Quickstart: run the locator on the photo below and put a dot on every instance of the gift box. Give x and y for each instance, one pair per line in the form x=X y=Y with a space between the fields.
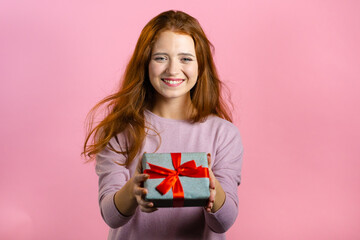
x=176 y=179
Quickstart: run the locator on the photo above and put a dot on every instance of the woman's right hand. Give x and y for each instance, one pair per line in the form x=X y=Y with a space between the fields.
x=132 y=194
x=139 y=191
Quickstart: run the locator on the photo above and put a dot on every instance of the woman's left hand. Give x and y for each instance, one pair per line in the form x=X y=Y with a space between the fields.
x=212 y=186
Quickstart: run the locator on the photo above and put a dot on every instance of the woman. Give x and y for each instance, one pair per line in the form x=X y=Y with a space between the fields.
x=169 y=101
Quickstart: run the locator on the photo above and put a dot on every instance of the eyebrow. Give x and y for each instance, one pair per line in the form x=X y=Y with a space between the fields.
x=162 y=53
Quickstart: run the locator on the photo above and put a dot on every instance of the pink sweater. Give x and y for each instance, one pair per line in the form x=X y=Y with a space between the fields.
x=216 y=136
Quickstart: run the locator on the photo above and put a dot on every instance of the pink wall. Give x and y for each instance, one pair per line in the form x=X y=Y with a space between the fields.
x=293 y=70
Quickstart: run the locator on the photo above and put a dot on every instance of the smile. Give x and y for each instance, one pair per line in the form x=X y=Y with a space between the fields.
x=172 y=82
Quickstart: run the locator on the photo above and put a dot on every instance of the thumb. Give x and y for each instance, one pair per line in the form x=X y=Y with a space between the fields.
x=139 y=166
x=209 y=159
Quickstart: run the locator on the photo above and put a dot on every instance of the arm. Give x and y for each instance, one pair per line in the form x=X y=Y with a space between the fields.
x=119 y=190
x=226 y=169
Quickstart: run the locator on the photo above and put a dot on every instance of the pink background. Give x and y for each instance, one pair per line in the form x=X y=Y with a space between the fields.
x=293 y=71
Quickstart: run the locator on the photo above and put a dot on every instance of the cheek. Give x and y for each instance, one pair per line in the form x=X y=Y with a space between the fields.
x=155 y=69
x=151 y=70
x=192 y=71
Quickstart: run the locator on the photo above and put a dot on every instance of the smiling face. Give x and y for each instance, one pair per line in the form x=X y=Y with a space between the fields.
x=173 y=68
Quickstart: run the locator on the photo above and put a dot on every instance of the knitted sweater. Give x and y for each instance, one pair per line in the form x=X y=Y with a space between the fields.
x=216 y=136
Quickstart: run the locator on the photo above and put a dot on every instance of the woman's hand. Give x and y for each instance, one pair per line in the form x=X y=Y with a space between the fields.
x=212 y=186
x=140 y=192
x=217 y=194
x=132 y=194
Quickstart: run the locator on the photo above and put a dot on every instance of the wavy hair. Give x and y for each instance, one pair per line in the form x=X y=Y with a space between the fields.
x=125 y=108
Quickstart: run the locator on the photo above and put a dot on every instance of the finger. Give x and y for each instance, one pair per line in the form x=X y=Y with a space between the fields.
x=212 y=180
x=212 y=196
x=143 y=203
x=209 y=207
x=138 y=191
x=211 y=200
x=148 y=210
x=209 y=159
x=212 y=177
x=139 y=165
x=138 y=179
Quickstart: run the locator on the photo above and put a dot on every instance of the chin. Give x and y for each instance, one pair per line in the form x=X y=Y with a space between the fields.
x=172 y=95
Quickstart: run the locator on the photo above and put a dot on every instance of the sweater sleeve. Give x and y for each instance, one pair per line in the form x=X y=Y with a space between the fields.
x=112 y=177
x=226 y=167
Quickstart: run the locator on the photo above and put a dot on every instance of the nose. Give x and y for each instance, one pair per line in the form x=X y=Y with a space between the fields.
x=173 y=68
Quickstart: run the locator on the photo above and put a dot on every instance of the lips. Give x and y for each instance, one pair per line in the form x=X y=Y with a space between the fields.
x=172 y=82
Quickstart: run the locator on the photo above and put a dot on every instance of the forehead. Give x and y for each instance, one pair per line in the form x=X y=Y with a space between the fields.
x=171 y=41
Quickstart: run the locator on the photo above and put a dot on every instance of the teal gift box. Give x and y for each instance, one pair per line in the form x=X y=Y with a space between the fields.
x=176 y=179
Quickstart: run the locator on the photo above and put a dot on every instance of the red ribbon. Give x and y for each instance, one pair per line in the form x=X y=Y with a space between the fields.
x=172 y=180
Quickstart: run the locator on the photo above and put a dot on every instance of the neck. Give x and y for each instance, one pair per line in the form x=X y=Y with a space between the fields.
x=177 y=108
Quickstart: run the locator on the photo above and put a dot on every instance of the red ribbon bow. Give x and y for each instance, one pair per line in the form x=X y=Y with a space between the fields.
x=172 y=180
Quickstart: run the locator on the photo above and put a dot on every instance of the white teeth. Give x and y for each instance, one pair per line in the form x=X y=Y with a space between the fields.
x=171 y=81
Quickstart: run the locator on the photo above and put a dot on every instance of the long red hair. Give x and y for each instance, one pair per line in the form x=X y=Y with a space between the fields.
x=125 y=109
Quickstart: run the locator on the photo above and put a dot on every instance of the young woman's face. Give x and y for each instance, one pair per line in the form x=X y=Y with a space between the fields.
x=173 y=68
